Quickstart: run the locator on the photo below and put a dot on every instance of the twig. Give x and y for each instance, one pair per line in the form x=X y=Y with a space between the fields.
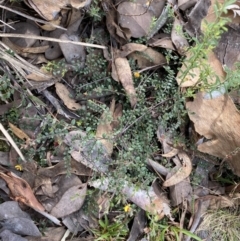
x=32 y=18
x=12 y=35
x=50 y=217
x=9 y=138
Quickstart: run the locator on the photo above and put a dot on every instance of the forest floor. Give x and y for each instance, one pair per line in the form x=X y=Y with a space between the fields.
x=119 y=120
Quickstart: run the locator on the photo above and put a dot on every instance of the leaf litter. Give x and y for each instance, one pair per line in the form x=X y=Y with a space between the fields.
x=72 y=185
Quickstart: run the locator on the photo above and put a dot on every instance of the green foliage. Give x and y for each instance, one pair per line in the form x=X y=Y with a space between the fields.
x=6 y=89
x=161 y=231
x=95 y=11
x=56 y=68
x=199 y=51
x=110 y=231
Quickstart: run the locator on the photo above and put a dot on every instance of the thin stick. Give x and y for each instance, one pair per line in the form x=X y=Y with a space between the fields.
x=12 y=35
x=32 y=18
x=9 y=138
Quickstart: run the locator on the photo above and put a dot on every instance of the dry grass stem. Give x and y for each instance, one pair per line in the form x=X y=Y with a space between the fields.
x=12 y=35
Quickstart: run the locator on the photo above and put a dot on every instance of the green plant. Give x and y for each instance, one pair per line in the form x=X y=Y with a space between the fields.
x=95 y=11
x=161 y=231
x=197 y=54
x=6 y=89
x=56 y=68
x=110 y=231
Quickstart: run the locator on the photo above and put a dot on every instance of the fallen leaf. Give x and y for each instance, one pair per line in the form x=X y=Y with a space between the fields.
x=41 y=75
x=172 y=153
x=148 y=57
x=195 y=17
x=80 y=4
x=19 y=133
x=181 y=173
x=120 y=34
x=125 y=77
x=185 y=4
x=178 y=38
x=71 y=201
x=64 y=94
x=135 y=17
x=91 y=153
x=20 y=190
x=163 y=43
x=211 y=16
x=48 y=9
x=49 y=27
x=180 y=192
x=27 y=28
x=218 y=121
x=132 y=47
x=227 y=50
x=53 y=234
x=60 y=168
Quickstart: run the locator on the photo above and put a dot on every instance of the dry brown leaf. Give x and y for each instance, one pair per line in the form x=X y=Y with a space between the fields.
x=181 y=191
x=132 y=47
x=71 y=201
x=64 y=94
x=121 y=35
x=114 y=72
x=42 y=75
x=24 y=50
x=172 y=153
x=20 y=190
x=185 y=4
x=140 y=21
x=178 y=37
x=163 y=43
x=80 y=3
x=19 y=133
x=59 y=169
x=218 y=120
x=148 y=58
x=125 y=76
x=182 y=173
x=48 y=9
x=49 y=27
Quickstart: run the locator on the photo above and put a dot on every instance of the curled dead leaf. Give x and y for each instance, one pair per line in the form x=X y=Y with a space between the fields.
x=125 y=76
x=172 y=153
x=20 y=190
x=132 y=47
x=64 y=94
x=19 y=133
x=148 y=57
x=182 y=173
x=218 y=120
